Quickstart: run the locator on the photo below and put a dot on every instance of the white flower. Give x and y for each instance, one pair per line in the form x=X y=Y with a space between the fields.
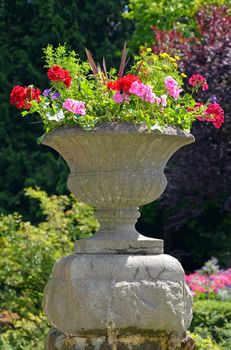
x=58 y=117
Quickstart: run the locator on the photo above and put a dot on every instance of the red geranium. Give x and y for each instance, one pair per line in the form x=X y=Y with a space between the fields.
x=113 y=85
x=21 y=96
x=123 y=84
x=198 y=81
x=215 y=115
x=56 y=73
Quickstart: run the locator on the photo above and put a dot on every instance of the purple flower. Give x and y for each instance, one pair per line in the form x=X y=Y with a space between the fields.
x=213 y=99
x=47 y=92
x=55 y=95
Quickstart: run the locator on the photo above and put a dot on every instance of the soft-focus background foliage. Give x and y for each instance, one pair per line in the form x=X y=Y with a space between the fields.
x=29 y=251
x=193 y=215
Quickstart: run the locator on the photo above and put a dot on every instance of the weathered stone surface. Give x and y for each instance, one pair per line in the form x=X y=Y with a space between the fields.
x=117 y=167
x=152 y=341
x=143 y=247
x=91 y=292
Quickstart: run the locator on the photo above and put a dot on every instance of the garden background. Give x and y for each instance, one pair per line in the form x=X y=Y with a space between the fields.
x=39 y=219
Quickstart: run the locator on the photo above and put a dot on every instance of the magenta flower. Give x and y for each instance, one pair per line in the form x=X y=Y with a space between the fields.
x=77 y=107
x=197 y=80
x=213 y=283
x=172 y=87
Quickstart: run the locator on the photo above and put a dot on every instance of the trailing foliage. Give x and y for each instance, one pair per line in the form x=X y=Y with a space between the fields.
x=28 y=254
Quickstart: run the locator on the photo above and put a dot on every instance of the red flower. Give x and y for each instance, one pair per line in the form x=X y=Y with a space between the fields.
x=126 y=81
x=113 y=85
x=17 y=96
x=56 y=73
x=123 y=84
x=198 y=81
x=216 y=115
x=21 y=96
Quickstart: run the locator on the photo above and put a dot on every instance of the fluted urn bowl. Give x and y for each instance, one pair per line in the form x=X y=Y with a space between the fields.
x=116 y=168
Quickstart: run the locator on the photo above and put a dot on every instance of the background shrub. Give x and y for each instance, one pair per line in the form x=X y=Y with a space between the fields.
x=212 y=319
x=28 y=254
x=165 y=14
x=195 y=208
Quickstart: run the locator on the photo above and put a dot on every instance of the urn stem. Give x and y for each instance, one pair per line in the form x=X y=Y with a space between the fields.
x=117 y=224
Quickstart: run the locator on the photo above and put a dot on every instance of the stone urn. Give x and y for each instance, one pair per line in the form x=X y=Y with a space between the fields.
x=118 y=291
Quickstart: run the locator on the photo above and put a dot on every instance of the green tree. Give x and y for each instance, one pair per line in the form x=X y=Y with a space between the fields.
x=165 y=14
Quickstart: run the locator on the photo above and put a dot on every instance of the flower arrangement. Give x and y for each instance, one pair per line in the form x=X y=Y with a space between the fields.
x=150 y=92
x=210 y=281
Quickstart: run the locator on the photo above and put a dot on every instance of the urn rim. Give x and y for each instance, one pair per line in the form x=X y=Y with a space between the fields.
x=118 y=128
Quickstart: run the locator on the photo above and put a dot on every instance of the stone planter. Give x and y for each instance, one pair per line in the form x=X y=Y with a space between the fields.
x=119 y=290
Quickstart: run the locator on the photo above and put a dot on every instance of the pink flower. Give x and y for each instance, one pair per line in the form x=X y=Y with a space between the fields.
x=209 y=283
x=118 y=97
x=138 y=89
x=144 y=92
x=77 y=107
x=197 y=80
x=172 y=87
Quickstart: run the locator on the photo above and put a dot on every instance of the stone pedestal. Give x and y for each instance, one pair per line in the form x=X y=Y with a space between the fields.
x=118 y=291
x=118 y=299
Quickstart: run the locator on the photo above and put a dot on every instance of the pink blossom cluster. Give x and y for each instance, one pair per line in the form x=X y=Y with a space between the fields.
x=197 y=80
x=144 y=91
x=77 y=107
x=207 y=284
x=118 y=97
x=172 y=87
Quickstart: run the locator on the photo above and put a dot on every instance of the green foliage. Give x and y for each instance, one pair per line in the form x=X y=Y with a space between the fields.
x=25 y=333
x=212 y=319
x=28 y=254
x=204 y=343
x=165 y=14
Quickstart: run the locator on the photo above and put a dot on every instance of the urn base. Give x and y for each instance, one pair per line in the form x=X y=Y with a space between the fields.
x=95 y=293
x=140 y=341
